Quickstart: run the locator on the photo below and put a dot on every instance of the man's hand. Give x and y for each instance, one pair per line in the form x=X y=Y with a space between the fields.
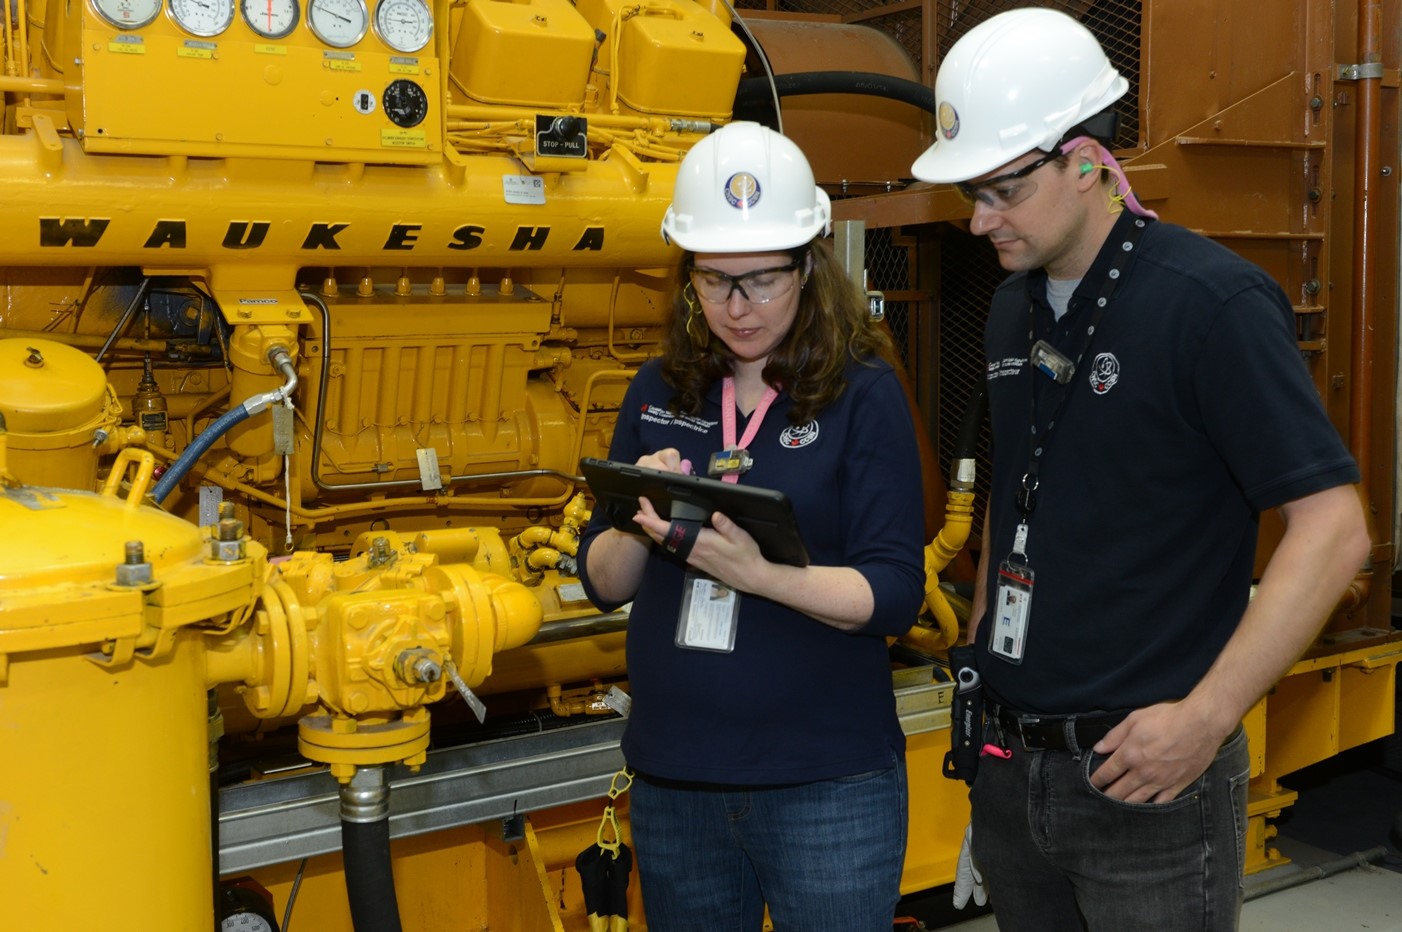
x=1156 y=752
x=967 y=879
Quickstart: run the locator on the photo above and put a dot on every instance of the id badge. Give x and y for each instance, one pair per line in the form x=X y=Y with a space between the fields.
x=709 y=616
x=1012 y=608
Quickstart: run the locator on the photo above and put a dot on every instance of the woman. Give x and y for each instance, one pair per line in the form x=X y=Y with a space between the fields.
x=769 y=759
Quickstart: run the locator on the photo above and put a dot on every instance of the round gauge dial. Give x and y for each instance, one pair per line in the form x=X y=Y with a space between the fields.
x=404 y=25
x=127 y=14
x=338 y=23
x=271 y=19
x=202 y=17
x=405 y=103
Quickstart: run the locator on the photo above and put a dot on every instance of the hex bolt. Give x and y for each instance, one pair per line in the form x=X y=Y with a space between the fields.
x=418 y=666
x=134 y=570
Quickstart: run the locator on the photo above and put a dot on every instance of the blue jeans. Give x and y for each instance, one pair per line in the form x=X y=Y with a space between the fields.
x=826 y=856
x=1057 y=854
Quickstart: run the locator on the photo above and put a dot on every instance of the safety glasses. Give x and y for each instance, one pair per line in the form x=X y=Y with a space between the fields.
x=1005 y=191
x=758 y=287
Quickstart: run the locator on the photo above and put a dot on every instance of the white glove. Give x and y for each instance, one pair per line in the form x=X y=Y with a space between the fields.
x=967 y=879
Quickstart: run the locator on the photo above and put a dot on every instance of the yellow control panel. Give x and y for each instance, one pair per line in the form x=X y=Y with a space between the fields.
x=329 y=80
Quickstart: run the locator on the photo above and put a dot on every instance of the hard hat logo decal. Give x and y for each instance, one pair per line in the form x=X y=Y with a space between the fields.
x=742 y=190
x=949 y=120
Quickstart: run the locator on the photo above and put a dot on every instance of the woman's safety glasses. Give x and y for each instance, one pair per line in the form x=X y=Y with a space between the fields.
x=1005 y=191
x=758 y=287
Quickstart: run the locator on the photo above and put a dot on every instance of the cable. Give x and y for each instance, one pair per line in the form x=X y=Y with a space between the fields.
x=763 y=60
x=292 y=896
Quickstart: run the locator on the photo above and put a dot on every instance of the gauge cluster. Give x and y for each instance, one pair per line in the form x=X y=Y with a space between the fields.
x=327 y=80
x=404 y=26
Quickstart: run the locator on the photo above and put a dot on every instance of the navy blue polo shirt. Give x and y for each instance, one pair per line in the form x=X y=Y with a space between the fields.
x=797 y=700
x=1190 y=413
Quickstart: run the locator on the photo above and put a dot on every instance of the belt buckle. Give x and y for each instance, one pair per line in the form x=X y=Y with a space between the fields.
x=1022 y=735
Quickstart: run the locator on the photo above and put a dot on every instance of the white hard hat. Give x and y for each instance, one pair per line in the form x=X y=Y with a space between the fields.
x=1015 y=82
x=745 y=188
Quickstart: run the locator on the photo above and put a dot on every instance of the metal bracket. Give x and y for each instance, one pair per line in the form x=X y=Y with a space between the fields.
x=1360 y=72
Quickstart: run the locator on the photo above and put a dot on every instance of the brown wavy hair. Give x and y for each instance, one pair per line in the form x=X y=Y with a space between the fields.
x=832 y=325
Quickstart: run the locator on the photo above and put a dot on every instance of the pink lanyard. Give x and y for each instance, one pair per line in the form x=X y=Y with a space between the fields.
x=727 y=405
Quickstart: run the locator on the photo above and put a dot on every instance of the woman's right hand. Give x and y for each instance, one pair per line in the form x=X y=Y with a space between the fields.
x=666 y=460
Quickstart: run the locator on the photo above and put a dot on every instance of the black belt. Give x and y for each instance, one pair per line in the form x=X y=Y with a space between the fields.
x=1055 y=732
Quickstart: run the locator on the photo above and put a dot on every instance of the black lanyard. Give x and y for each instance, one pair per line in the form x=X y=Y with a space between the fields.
x=1027 y=495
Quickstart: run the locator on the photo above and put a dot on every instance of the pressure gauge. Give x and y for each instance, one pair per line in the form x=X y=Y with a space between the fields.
x=271 y=19
x=404 y=25
x=202 y=17
x=241 y=909
x=338 y=23
x=127 y=14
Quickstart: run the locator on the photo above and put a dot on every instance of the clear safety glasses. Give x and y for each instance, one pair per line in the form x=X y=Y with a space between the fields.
x=1005 y=191
x=758 y=287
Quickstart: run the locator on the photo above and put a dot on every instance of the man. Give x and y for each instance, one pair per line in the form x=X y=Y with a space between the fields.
x=1148 y=401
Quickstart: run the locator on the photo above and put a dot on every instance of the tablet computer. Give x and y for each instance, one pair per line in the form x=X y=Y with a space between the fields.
x=765 y=513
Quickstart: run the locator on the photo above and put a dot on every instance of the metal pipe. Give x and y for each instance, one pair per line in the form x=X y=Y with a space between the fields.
x=1317 y=872
x=1367 y=133
x=126 y=317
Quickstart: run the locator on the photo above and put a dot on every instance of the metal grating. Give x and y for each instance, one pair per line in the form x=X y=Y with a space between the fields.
x=888 y=269
x=968 y=268
x=969 y=273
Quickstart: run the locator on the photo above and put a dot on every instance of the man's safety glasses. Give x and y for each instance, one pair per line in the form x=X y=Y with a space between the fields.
x=758 y=287
x=1005 y=191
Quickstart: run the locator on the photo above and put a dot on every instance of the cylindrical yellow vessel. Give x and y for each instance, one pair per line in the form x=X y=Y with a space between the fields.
x=98 y=762
x=54 y=399
x=104 y=757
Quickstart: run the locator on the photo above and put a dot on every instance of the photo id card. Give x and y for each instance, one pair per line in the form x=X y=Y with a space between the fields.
x=709 y=615
x=1011 y=610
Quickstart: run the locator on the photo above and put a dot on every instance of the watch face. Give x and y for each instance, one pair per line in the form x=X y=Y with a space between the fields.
x=271 y=19
x=202 y=17
x=338 y=23
x=404 y=25
x=127 y=14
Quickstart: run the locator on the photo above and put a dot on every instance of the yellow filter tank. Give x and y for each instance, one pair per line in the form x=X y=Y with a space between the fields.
x=104 y=729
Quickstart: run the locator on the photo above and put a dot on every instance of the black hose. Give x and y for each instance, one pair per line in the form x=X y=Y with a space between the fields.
x=374 y=907
x=755 y=92
x=972 y=424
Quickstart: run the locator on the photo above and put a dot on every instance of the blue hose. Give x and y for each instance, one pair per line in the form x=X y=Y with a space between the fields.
x=194 y=451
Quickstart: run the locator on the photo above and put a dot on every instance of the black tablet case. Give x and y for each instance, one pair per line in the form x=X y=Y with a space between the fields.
x=765 y=514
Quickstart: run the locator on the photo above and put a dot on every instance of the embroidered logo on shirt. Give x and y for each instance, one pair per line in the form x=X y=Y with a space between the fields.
x=1104 y=373
x=655 y=415
x=802 y=436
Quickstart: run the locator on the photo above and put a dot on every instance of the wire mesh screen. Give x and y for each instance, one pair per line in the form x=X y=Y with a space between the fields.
x=967 y=267
x=888 y=270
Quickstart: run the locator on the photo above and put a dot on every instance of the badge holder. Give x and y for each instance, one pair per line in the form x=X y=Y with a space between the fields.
x=710 y=609
x=709 y=615
x=1013 y=602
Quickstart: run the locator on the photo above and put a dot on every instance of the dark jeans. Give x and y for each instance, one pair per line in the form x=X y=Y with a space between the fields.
x=1058 y=854
x=825 y=856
